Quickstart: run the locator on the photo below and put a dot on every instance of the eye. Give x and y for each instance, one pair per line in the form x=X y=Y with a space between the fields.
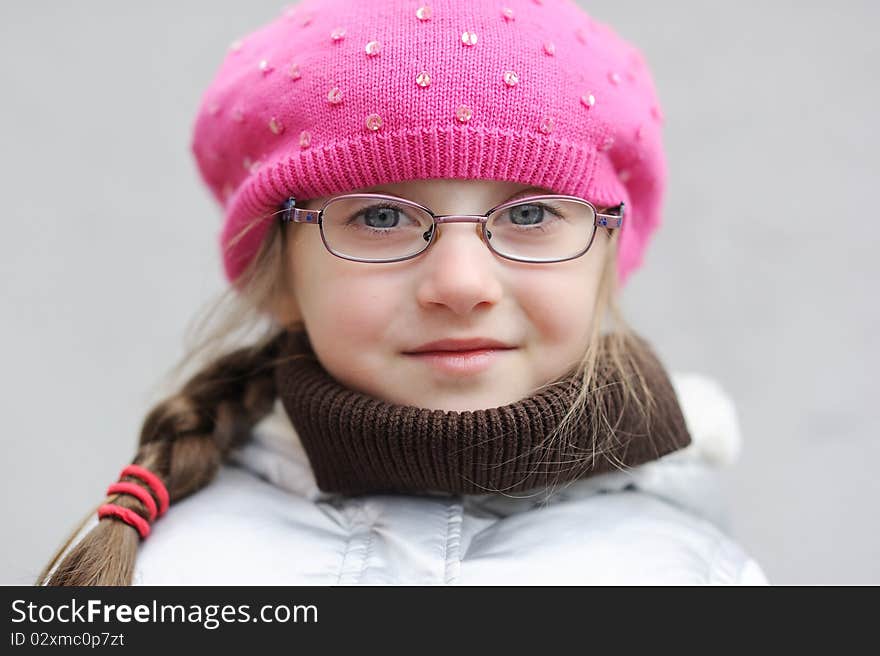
x=377 y=218
x=381 y=217
x=526 y=214
x=531 y=215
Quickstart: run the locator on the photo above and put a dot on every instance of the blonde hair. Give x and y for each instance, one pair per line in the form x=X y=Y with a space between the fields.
x=186 y=436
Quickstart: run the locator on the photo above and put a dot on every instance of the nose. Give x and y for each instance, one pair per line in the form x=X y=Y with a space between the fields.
x=459 y=270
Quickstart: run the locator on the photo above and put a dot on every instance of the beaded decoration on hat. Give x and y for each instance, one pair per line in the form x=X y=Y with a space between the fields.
x=334 y=96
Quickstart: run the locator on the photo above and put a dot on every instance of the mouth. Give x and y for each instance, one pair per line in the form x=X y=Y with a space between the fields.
x=462 y=362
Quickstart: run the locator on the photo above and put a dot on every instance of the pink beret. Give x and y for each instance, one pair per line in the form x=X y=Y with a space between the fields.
x=335 y=95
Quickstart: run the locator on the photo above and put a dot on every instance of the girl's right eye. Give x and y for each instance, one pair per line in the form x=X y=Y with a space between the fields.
x=383 y=217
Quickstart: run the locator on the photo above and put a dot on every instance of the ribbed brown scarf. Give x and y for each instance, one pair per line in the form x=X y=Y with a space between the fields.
x=359 y=444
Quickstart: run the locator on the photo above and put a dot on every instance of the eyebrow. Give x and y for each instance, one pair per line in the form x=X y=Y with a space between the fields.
x=530 y=191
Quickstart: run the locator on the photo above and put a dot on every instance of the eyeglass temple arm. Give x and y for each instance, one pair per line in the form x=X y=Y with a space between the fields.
x=614 y=220
x=291 y=213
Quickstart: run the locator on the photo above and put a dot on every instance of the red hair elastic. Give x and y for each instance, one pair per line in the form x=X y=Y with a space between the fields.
x=126 y=515
x=135 y=490
x=148 y=477
x=129 y=516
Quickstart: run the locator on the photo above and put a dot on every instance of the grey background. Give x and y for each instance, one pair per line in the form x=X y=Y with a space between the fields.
x=762 y=275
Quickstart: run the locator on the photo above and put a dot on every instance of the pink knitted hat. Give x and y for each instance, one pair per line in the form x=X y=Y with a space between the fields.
x=336 y=95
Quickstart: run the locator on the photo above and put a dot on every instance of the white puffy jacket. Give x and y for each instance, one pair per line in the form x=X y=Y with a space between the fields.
x=263 y=521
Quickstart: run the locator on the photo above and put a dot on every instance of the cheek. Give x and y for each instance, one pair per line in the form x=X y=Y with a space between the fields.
x=559 y=301
x=343 y=306
x=355 y=310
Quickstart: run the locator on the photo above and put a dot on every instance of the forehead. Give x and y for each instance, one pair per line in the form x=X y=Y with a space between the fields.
x=449 y=194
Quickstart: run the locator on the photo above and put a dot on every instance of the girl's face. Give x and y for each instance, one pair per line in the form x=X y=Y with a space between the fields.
x=364 y=319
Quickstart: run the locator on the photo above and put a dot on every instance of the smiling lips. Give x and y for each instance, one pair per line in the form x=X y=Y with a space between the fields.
x=461 y=356
x=469 y=344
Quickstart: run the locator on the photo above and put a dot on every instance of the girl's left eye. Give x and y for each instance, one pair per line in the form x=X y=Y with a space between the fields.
x=532 y=214
x=529 y=214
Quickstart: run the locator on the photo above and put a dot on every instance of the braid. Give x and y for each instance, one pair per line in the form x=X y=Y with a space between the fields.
x=184 y=440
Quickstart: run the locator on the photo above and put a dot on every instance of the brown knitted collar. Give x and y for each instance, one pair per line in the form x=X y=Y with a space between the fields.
x=359 y=444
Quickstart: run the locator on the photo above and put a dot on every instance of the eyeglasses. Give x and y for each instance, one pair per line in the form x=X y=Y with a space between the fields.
x=384 y=228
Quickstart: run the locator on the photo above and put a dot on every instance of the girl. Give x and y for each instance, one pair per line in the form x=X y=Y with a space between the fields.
x=429 y=213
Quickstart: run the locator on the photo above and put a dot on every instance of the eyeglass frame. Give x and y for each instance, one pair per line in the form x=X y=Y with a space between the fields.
x=292 y=214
